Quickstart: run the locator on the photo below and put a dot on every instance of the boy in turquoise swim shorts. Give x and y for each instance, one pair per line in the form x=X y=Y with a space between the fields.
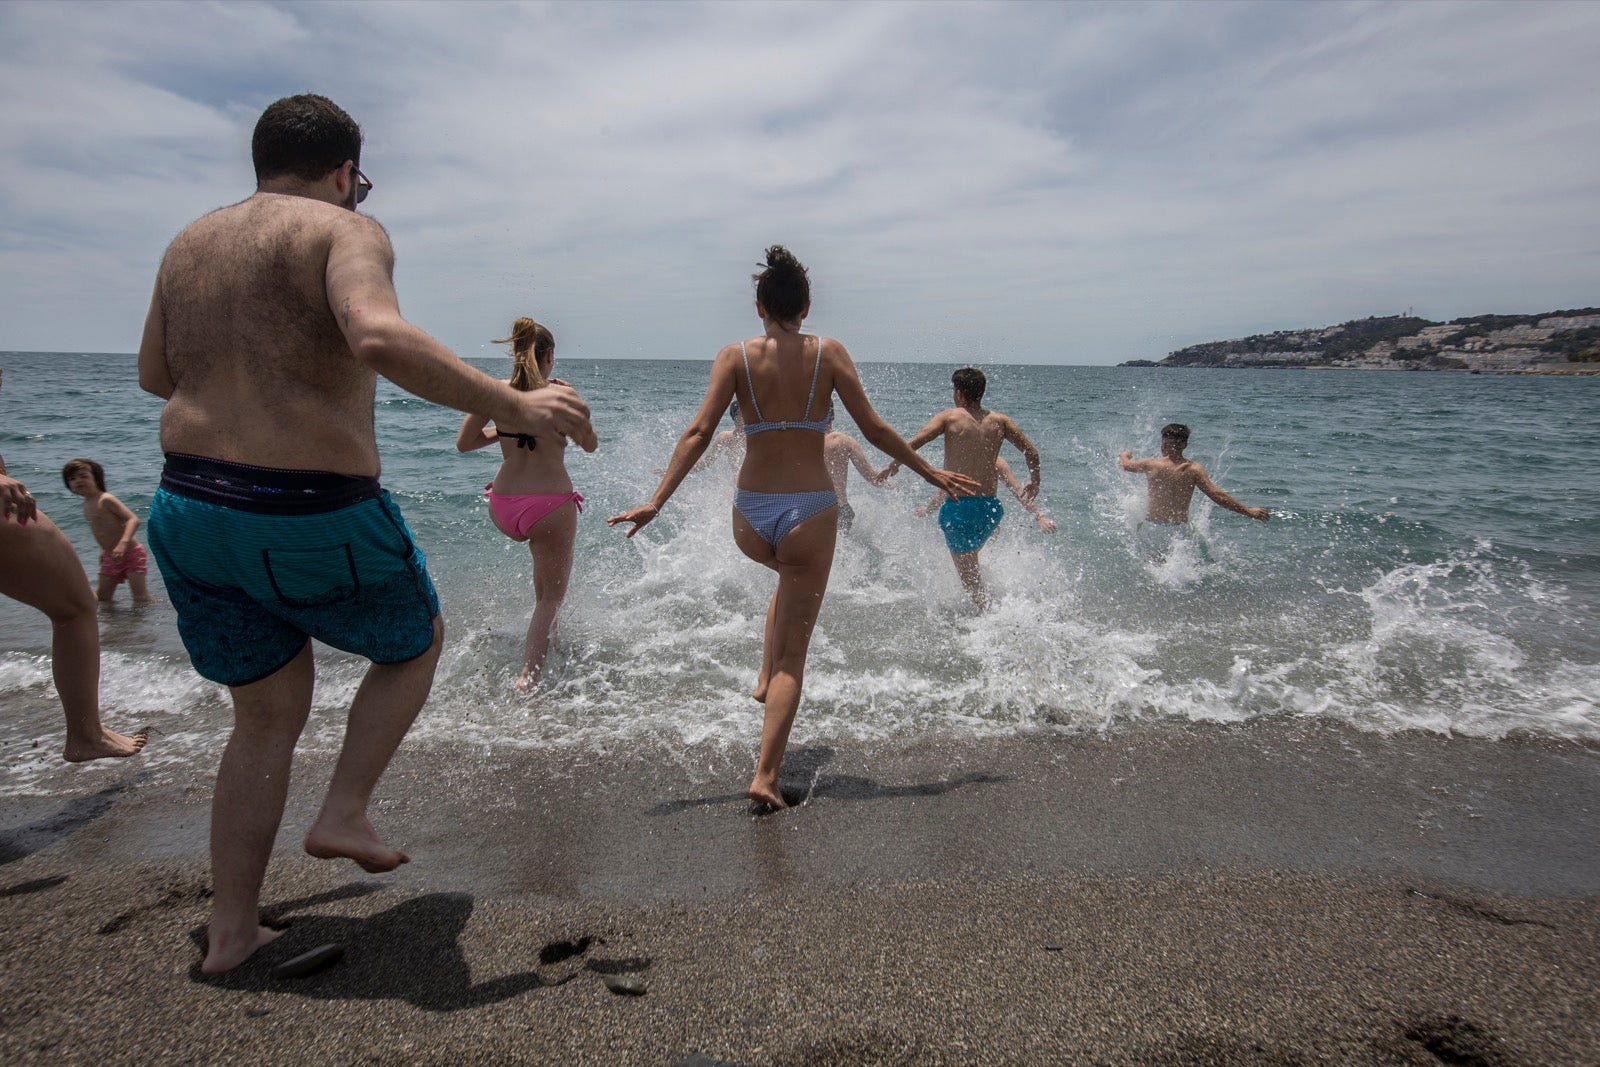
x=972 y=439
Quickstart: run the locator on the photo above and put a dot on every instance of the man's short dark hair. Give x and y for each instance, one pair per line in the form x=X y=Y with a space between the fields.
x=1176 y=431
x=970 y=383
x=305 y=137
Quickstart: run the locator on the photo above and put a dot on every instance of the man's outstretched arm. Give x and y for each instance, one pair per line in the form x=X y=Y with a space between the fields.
x=361 y=293
x=1204 y=483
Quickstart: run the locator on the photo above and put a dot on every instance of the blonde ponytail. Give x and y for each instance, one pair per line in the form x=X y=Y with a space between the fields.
x=531 y=344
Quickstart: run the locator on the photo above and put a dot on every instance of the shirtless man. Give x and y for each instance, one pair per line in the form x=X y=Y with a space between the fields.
x=40 y=568
x=270 y=322
x=1172 y=480
x=972 y=439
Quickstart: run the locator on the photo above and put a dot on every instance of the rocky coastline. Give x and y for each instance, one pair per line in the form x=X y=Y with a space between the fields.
x=1554 y=342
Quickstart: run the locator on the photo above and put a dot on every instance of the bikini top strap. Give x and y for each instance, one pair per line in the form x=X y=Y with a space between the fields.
x=751 y=382
x=806 y=414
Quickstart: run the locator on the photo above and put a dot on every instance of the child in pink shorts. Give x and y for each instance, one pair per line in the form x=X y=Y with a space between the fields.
x=121 y=557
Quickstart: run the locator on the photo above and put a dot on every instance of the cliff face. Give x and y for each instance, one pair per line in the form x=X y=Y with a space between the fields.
x=1400 y=342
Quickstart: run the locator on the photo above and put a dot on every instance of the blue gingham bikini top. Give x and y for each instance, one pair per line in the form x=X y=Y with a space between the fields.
x=821 y=425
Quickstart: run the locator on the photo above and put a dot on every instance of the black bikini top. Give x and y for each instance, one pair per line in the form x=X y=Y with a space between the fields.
x=523 y=440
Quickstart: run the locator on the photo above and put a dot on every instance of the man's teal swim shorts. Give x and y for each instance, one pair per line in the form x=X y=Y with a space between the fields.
x=257 y=560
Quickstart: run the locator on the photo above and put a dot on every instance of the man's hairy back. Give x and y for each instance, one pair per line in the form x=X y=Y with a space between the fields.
x=261 y=372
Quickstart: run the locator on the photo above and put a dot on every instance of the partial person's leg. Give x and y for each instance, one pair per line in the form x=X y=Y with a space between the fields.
x=106 y=589
x=971 y=579
x=388 y=701
x=805 y=558
x=252 y=785
x=136 y=586
x=39 y=567
x=767 y=644
x=755 y=546
x=550 y=543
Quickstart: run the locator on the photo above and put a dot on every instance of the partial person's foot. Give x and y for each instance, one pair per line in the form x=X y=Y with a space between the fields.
x=109 y=744
x=526 y=680
x=224 y=953
x=330 y=839
x=759 y=694
x=764 y=799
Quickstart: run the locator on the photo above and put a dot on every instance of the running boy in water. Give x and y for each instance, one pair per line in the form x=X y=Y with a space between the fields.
x=1172 y=480
x=972 y=439
x=121 y=557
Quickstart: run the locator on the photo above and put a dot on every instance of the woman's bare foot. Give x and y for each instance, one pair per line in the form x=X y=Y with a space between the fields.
x=109 y=744
x=330 y=839
x=224 y=953
x=766 y=797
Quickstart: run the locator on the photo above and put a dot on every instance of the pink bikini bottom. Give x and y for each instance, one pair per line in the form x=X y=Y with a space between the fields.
x=520 y=512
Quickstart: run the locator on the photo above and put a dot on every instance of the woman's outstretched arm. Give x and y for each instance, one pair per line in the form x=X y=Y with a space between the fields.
x=690 y=446
x=882 y=436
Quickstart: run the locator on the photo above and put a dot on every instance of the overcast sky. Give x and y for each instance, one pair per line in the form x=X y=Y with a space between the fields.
x=1034 y=182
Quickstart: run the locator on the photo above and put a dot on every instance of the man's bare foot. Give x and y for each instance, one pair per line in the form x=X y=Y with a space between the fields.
x=766 y=797
x=109 y=744
x=224 y=953
x=357 y=841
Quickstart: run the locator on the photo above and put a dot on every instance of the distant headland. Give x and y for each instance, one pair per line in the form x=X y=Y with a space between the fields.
x=1556 y=342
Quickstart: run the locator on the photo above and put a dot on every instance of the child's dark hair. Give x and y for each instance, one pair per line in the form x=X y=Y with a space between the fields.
x=95 y=471
x=1176 y=431
x=970 y=383
x=783 y=289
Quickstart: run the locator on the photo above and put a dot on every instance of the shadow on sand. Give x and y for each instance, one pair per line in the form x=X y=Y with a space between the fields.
x=806 y=765
x=409 y=952
x=73 y=816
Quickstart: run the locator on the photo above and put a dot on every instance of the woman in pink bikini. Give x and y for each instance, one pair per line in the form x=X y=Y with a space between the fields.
x=531 y=497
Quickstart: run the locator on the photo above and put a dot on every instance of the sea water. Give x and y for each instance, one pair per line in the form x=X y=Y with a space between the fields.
x=1431 y=563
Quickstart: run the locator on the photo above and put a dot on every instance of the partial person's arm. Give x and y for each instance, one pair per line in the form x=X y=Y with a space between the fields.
x=690 y=446
x=922 y=511
x=847 y=383
x=858 y=460
x=1030 y=454
x=15 y=498
x=1131 y=465
x=154 y=375
x=1204 y=483
x=123 y=514
x=361 y=293
x=934 y=428
x=475 y=433
x=1045 y=522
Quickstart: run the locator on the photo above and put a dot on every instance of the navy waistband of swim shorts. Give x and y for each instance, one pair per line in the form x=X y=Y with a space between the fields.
x=270 y=490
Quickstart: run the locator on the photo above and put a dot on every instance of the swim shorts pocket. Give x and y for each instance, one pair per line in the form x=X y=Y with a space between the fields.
x=312 y=577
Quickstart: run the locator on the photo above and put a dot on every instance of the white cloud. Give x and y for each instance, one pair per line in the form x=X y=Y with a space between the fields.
x=1082 y=183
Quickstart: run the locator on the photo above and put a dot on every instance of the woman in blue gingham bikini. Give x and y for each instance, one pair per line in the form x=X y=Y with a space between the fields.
x=784 y=507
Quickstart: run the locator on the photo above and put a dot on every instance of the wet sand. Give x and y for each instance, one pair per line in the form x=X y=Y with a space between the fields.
x=1255 y=895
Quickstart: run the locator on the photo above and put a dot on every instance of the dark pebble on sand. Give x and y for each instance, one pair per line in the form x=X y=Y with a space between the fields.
x=623 y=985
x=1051 y=946
x=309 y=962
x=256 y=1013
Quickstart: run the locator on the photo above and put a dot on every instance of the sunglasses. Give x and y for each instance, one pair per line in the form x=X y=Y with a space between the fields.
x=363 y=185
